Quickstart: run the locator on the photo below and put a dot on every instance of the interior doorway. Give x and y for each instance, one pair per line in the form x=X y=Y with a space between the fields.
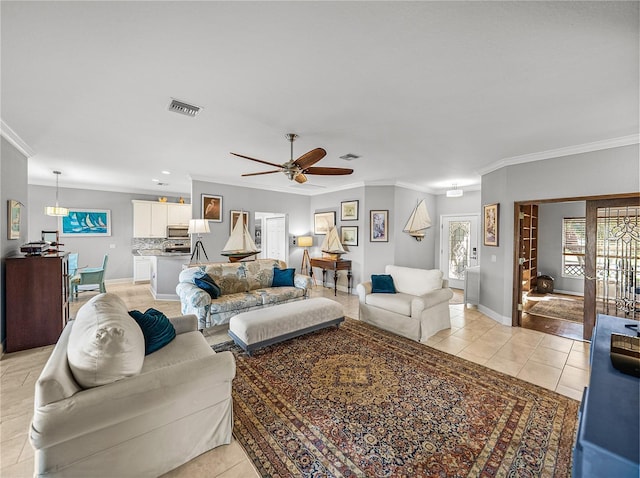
x=271 y=235
x=458 y=246
x=605 y=257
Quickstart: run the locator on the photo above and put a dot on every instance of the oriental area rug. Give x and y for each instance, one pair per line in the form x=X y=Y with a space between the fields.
x=358 y=401
x=559 y=308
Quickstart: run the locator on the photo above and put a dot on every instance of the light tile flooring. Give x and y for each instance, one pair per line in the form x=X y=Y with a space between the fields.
x=552 y=362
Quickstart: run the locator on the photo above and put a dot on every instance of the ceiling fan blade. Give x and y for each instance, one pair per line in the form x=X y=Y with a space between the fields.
x=263 y=172
x=300 y=178
x=328 y=171
x=257 y=160
x=310 y=158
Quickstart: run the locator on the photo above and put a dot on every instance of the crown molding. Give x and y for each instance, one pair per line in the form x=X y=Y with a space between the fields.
x=7 y=133
x=557 y=153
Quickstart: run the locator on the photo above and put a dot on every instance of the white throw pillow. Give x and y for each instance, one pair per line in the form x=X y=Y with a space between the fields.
x=105 y=344
x=415 y=281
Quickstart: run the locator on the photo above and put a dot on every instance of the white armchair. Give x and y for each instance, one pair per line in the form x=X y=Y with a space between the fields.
x=176 y=408
x=418 y=309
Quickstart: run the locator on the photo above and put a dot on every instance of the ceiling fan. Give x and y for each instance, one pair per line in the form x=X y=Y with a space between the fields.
x=297 y=170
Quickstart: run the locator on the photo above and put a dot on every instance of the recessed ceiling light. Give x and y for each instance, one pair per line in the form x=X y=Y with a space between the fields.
x=165 y=172
x=155 y=180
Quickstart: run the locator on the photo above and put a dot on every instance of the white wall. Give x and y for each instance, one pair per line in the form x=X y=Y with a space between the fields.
x=612 y=171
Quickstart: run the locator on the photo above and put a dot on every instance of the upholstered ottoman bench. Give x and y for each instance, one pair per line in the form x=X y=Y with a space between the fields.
x=255 y=329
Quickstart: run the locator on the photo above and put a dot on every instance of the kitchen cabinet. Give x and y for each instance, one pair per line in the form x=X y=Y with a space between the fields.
x=178 y=214
x=141 y=269
x=150 y=218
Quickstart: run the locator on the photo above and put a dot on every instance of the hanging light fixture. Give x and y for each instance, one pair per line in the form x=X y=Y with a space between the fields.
x=455 y=192
x=56 y=210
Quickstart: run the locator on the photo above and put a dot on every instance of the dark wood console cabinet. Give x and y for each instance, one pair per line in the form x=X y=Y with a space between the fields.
x=37 y=300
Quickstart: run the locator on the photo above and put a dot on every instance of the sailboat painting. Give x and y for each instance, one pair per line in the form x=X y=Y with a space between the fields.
x=418 y=222
x=86 y=223
x=331 y=246
x=240 y=245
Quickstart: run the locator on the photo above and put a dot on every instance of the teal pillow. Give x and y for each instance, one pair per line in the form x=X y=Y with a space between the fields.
x=207 y=284
x=156 y=328
x=382 y=284
x=283 y=277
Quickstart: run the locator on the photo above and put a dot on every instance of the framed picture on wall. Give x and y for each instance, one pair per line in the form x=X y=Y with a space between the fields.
x=349 y=235
x=349 y=210
x=212 y=208
x=323 y=222
x=13 y=218
x=85 y=223
x=234 y=218
x=491 y=224
x=379 y=226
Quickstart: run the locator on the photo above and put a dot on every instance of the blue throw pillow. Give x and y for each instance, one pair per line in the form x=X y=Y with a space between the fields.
x=207 y=284
x=156 y=328
x=283 y=277
x=382 y=284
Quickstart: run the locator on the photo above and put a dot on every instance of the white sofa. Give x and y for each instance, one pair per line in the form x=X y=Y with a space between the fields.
x=177 y=407
x=419 y=309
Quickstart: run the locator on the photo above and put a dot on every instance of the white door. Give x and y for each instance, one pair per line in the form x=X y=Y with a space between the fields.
x=459 y=247
x=275 y=238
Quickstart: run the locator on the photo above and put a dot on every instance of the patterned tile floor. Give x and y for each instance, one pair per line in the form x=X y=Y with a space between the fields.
x=552 y=362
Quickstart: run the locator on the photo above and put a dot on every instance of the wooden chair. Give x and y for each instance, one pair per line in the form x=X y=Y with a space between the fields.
x=88 y=276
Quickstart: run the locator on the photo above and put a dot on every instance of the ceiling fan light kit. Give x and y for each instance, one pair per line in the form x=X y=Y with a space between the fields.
x=297 y=170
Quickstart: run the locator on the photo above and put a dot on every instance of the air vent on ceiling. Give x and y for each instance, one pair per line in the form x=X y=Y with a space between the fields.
x=349 y=156
x=183 y=108
x=163 y=184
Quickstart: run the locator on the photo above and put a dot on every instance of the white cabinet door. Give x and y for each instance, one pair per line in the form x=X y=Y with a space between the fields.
x=141 y=219
x=141 y=269
x=158 y=219
x=178 y=214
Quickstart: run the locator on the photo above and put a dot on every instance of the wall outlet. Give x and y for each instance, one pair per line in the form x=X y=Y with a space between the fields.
x=293 y=241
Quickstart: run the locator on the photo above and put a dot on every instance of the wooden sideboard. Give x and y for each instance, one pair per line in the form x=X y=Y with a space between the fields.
x=37 y=300
x=334 y=265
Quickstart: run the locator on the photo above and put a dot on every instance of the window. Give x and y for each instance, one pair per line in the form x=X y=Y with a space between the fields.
x=573 y=246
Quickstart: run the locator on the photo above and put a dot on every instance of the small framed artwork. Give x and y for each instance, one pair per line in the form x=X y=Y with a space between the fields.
x=86 y=223
x=234 y=218
x=14 y=213
x=491 y=224
x=212 y=208
x=349 y=210
x=379 y=225
x=349 y=235
x=323 y=222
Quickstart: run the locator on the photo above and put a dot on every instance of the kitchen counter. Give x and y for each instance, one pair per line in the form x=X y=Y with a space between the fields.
x=164 y=269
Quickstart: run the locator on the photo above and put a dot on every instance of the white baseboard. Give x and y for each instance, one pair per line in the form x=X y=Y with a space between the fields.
x=124 y=280
x=501 y=319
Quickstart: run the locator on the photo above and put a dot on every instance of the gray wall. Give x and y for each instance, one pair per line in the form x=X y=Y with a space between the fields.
x=408 y=251
x=331 y=202
x=90 y=250
x=295 y=206
x=550 y=218
x=612 y=171
x=13 y=185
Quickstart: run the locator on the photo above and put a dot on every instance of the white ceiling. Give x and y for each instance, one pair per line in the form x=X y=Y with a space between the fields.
x=428 y=93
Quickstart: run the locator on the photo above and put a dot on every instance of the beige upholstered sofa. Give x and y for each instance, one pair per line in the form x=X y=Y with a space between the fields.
x=244 y=286
x=177 y=407
x=419 y=309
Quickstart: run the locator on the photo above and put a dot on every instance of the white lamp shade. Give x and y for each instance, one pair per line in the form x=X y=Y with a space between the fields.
x=305 y=241
x=56 y=211
x=198 y=226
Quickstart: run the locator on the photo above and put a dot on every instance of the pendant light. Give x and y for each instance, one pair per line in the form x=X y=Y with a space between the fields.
x=56 y=210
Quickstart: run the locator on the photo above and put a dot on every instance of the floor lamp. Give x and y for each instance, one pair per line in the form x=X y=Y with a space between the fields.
x=305 y=241
x=199 y=227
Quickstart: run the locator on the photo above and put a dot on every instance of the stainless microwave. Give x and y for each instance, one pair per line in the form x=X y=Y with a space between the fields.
x=178 y=232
